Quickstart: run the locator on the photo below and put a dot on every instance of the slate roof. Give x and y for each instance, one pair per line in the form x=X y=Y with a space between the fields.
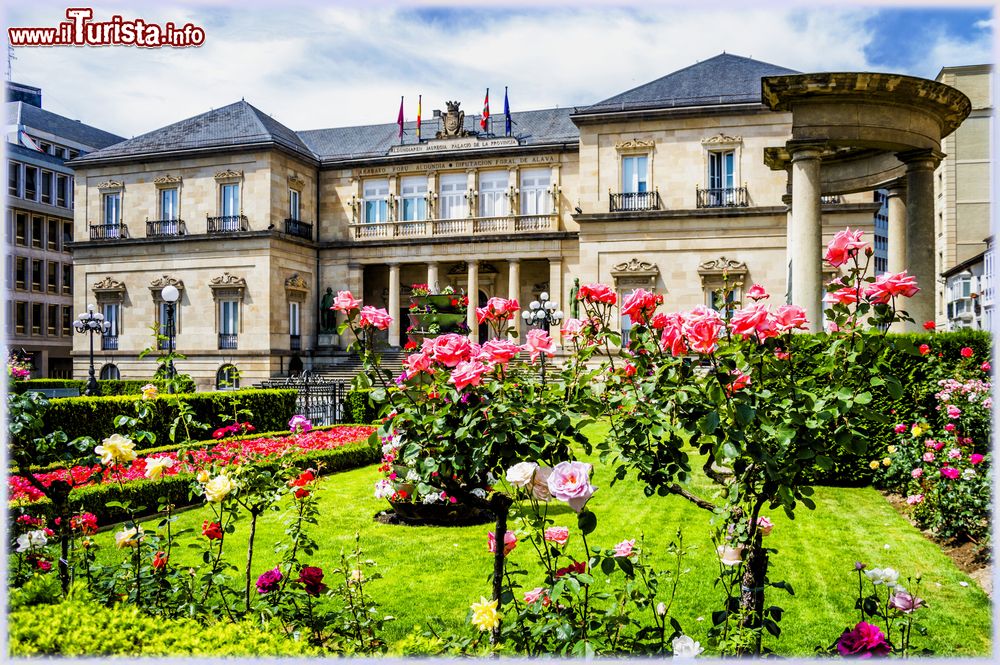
x=233 y=125
x=723 y=79
x=541 y=127
x=19 y=113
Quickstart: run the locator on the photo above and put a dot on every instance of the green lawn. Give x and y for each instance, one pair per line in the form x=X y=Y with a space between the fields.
x=435 y=571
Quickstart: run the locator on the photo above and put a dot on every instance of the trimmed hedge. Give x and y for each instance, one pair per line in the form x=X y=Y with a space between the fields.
x=919 y=378
x=361 y=407
x=79 y=628
x=108 y=387
x=21 y=387
x=94 y=416
x=177 y=489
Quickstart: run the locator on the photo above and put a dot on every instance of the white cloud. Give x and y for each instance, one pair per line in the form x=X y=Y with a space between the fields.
x=333 y=66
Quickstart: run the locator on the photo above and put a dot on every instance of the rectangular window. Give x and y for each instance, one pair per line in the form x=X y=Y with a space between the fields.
x=111 y=312
x=46 y=147
x=21 y=318
x=9 y=271
x=229 y=317
x=21 y=229
x=67 y=280
x=31 y=182
x=229 y=206
x=14 y=179
x=168 y=203
x=414 y=195
x=37 y=226
x=634 y=173
x=534 y=194
x=52 y=283
x=47 y=187
x=53 y=235
x=36 y=318
x=452 y=200
x=67 y=235
x=376 y=201
x=293 y=204
x=293 y=318
x=62 y=191
x=36 y=275
x=720 y=169
x=113 y=208
x=21 y=272
x=493 y=194
x=73 y=154
x=67 y=320
x=53 y=321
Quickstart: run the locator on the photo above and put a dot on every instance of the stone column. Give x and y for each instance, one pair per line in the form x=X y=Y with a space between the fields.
x=920 y=165
x=807 y=233
x=896 y=203
x=556 y=293
x=472 y=290
x=514 y=293
x=432 y=276
x=789 y=241
x=356 y=285
x=394 y=304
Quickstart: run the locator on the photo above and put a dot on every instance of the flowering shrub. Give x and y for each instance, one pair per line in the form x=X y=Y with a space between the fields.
x=18 y=369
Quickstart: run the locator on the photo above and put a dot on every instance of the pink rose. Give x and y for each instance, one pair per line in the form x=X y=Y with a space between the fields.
x=975 y=458
x=888 y=286
x=538 y=342
x=950 y=427
x=509 y=542
x=843 y=246
x=571 y=328
x=954 y=411
x=740 y=381
x=374 y=318
x=790 y=317
x=468 y=373
x=701 y=329
x=954 y=453
x=418 y=362
x=625 y=548
x=749 y=320
x=557 y=535
x=900 y=428
x=499 y=351
x=345 y=302
x=531 y=597
x=570 y=482
x=950 y=472
x=757 y=292
x=765 y=525
x=597 y=293
x=640 y=305
x=917 y=472
x=450 y=349
x=914 y=499
x=986 y=367
x=928 y=457
x=672 y=337
x=847 y=295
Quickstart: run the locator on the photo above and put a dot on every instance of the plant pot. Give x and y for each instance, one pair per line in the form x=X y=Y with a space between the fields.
x=439 y=514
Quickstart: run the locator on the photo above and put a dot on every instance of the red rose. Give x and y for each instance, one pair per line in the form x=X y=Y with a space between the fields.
x=929 y=325
x=924 y=349
x=211 y=530
x=311 y=577
x=966 y=352
x=159 y=560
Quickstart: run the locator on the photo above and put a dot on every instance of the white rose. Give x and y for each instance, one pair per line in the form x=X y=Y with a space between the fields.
x=686 y=647
x=218 y=488
x=661 y=609
x=204 y=476
x=521 y=474
x=886 y=576
x=33 y=540
x=540 y=486
x=155 y=466
x=116 y=448
x=730 y=555
x=128 y=537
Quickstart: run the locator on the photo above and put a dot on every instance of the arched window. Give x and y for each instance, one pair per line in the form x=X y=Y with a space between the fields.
x=110 y=372
x=227 y=378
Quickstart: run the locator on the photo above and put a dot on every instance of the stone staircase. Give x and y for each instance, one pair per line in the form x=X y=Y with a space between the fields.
x=346 y=367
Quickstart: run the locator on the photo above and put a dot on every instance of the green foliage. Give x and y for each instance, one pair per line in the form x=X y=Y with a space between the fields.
x=45 y=384
x=360 y=406
x=94 y=416
x=80 y=628
x=108 y=387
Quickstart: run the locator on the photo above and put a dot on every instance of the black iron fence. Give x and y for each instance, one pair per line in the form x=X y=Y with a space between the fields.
x=228 y=224
x=165 y=227
x=323 y=402
x=295 y=227
x=109 y=342
x=108 y=231
x=228 y=341
x=635 y=201
x=727 y=197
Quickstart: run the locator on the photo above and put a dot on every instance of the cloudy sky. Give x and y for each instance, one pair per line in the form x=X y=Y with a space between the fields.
x=314 y=65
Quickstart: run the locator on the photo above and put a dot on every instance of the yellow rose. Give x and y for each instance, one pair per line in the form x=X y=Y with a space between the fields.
x=218 y=488
x=887 y=461
x=155 y=466
x=892 y=450
x=149 y=391
x=203 y=476
x=484 y=614
x=116 y=448
x=128 y=537
x=874 y=464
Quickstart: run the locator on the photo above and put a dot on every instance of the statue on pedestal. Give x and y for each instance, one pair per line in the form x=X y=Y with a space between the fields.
x=574 y=304
x=327 y=318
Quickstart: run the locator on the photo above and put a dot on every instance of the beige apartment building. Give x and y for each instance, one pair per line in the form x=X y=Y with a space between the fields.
x=664 y=186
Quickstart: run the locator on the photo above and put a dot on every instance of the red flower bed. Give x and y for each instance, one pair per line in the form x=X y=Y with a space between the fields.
x=225 y=453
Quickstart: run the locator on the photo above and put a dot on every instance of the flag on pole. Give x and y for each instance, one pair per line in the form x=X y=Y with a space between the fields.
x=506 y=113
x=420 y=99
x=486 y=110
x=26 y=140
x=399 y=120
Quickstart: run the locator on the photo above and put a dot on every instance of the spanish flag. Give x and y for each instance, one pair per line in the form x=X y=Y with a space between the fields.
x=419 y=100
x=399 y=120
x=486 y=110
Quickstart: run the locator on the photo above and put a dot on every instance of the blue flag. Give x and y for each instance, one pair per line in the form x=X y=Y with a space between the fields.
x=506 y=112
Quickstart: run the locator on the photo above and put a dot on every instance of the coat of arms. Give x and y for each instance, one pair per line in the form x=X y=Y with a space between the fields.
x=454 y=122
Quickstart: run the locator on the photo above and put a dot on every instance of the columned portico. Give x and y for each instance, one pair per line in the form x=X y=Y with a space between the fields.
x=896 y=203
x=556 y=293
x=806 y=248
x=432 y=276
x=472 y=290
x=394 y=304
x=920 y=165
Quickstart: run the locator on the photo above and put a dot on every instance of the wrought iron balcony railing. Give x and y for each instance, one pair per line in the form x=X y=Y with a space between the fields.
x=463 y=226
x=228 y=224
x=295 y=342
x=831 y=199
x=228 y=341
x=108 y=231
x=728 y=197
x=295 y=227
x=165 y=227
x=635 y=201
x=109 y=342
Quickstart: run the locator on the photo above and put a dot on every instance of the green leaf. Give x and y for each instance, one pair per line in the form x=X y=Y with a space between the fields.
x=709 y=422
x=586 y=521
x=608 y=566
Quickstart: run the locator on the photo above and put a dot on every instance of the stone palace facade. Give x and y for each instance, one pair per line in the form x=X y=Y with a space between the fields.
x=664 y=187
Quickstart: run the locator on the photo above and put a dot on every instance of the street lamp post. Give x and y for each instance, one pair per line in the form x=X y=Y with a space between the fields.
x=170 y=294
x=90 y=323
x=543 y=314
